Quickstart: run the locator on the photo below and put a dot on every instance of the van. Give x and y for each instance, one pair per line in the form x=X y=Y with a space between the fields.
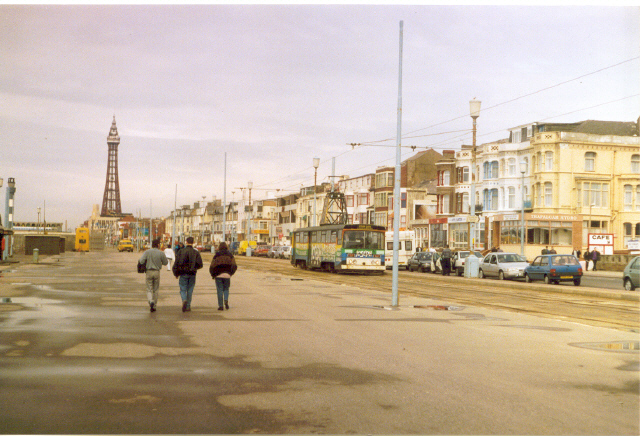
x=242 y=248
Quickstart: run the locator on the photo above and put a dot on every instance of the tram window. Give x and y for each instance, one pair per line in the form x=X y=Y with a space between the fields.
x=339 y=238
x=334 y=236
x=314 y=237
x=305 y=238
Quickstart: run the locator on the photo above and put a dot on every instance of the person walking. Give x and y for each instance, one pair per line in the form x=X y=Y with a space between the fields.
x=595 y=257
x=153 y=259
x=446 y=260
x=223 y=266
x=171 y=256
x=587 y=259
x=188 y=262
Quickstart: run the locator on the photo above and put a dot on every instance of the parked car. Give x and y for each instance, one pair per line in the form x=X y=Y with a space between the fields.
x=423 y=261
x=125 y=245
x=503 y=266
x=458 y=260
x=631 y=274
x=286 y=252
x=274 y=251
x=261 y=250
x=554 y=268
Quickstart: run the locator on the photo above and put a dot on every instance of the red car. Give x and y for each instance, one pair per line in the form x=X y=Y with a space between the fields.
x=261 y=251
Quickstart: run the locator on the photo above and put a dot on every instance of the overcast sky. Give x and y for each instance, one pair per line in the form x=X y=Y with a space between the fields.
x=276 y=86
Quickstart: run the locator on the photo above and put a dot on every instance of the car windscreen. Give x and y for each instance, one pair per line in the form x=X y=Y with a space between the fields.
x=364 y=240
x=507 y=258
x=564 y=260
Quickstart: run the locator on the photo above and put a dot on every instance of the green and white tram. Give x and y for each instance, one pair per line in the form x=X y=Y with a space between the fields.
x=339 y=247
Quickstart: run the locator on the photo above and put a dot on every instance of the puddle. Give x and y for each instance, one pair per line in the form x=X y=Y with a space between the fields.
x=617 y=346
x=440 y=307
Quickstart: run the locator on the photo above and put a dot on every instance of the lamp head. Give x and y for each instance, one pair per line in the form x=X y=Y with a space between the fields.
x=474 y=108
x=250 y=185
x=316 y=162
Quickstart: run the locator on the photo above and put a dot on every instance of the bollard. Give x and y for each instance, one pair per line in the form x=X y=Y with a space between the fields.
x=36 y=252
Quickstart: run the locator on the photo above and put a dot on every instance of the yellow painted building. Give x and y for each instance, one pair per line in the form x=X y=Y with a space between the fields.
x=590 y=169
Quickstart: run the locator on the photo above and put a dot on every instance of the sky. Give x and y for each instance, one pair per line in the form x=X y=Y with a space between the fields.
x=274 y=86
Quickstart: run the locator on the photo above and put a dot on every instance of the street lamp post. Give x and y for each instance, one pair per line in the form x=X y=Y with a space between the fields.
x=38 y=221
x=202 y=221
x=316 y=164
x=474 y=109
x=523 y=169
x=11 y=190
x=250 y=185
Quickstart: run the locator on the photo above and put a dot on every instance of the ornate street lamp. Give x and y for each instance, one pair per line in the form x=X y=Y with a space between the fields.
x=474 y=110
x=316 y=164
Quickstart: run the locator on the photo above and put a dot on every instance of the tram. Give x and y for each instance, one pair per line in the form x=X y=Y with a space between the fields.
x=82 y=239
x=339 y=247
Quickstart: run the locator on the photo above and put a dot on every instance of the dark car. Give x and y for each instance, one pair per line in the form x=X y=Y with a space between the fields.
x=631 y=274
x=554 y=268
x=423 y=261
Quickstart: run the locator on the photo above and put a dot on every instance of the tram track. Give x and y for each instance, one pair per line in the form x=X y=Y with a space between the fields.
x=534 y=299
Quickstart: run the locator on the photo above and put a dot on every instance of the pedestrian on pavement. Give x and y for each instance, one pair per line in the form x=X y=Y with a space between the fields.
x=188 y=262
x=587 y=259
x=595 y=257
x=553 y=250
x=153 y=258
x=446 y=260
x=171 y=256
x=223 y=266
x=545 y=250
x=576 y=253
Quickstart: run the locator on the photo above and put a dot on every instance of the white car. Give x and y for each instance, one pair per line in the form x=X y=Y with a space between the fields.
x=285 y=253
x=458 y=260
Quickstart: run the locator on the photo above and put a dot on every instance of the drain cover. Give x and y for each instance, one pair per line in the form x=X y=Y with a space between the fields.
x=619 y=346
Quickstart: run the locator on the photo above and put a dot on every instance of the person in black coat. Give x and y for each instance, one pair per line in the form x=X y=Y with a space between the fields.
x=188 y=262
x=223 y=266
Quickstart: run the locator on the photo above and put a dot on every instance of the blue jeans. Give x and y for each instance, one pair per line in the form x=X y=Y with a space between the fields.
x=222 y=285
x=187 y=282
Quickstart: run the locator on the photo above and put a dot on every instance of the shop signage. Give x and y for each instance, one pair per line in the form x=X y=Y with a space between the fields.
x=512 y=217
x=600 y=239
x=457 y=219
x=535 y=216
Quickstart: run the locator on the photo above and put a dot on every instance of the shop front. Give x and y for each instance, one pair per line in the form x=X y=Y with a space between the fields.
x=558 y=231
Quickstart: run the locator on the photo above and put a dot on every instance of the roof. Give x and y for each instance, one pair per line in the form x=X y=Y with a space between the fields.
x=594 y=127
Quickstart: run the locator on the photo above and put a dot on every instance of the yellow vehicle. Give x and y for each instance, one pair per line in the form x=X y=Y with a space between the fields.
x=242 y=249
x=82 y=239
x=125 y=245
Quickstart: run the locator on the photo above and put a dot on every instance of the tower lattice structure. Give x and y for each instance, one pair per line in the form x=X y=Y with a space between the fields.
x=111 y=199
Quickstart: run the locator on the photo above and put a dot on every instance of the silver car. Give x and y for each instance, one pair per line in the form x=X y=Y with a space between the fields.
x=503 y=266
x=631 y=274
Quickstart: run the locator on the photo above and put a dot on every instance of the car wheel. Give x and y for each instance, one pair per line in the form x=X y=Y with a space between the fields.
x=500 y=275
x=481 y=275
x=423 y=270
x=628 y=285
x=547 y=280
x=527 y=278
x=576 y=282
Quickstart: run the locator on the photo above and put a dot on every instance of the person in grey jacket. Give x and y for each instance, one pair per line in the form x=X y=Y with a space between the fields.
x=154 y=259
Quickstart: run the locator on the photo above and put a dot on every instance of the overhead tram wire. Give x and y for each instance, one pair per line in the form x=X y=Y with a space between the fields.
x=513 y=99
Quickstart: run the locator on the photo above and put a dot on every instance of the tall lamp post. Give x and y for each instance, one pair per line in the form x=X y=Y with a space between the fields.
x=316 y=164
x=11 y=190
x=474 y=109
x=38 y=221
x=202 y=221
x=523 y=169
x=250 y=185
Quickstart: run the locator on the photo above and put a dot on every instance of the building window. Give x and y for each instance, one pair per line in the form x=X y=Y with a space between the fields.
x=495 y=169
x=595 y=194
x=403 y=200
x=628 y=197
x=463 y=174
x=446 y=178
x=590 y=161
x=512 y=197
x=349 y=200
x=512 y=167
x=635 y=163
x=549 y=160
x=548 y=194
x=638 y=197
x=363 y=199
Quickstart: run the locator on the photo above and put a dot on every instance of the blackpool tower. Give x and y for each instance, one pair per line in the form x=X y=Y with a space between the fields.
x=111 y=199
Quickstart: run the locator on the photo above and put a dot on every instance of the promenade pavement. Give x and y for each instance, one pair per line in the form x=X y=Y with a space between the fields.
x=291 y=355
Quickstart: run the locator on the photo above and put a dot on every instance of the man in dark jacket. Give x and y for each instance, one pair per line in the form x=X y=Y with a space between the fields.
x=188 y=262
x=223 y=266
x=446 y=260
